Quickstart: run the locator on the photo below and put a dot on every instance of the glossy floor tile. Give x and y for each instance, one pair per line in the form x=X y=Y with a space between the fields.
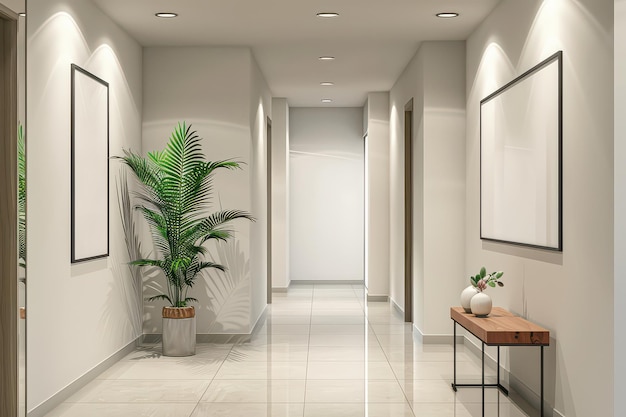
x=322 y=351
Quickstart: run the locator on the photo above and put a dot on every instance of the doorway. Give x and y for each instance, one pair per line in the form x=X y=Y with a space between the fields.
x=408 y=212
x=9 y=359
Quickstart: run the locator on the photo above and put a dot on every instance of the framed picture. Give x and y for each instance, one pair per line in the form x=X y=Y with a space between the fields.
x=521 y=136
x=90 y=166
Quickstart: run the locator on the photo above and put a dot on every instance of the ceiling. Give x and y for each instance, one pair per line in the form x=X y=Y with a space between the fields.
x=372 y=40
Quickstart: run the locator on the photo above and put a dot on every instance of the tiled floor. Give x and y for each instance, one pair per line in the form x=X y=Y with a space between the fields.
x=322 y=352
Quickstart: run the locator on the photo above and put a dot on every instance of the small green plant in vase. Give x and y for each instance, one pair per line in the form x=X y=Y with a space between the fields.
x=481 y=280
x=473 y=298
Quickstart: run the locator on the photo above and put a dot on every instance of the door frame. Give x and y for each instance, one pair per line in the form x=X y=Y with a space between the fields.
x=8 y=215
x=408 y=211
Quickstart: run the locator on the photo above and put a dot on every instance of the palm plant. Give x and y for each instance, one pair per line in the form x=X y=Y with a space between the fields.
x=175 y=194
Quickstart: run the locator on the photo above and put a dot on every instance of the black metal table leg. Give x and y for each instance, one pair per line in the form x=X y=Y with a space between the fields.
x=498 y=367
x=454 y=347
x=483 y=376
x=541 y=406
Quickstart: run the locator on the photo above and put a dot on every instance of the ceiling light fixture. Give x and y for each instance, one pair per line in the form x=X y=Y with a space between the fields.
x=327 y=14
x=326 y=58
x=447 y=15
x=166 y=15
x=326 y=100
x=327 y=83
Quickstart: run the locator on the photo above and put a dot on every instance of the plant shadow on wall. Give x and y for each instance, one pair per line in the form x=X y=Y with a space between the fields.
x=21 y=199
x=230 y=306
x=128 y=287
x=174 y=196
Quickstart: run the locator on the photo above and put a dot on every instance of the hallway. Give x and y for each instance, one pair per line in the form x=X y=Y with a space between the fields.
x=321 y=352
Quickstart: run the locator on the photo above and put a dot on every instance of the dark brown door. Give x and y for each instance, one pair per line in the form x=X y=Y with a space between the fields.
x=408 y=211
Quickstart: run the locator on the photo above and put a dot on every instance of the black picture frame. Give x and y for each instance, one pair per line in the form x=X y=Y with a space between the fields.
x=90 y=166
x=521 y=159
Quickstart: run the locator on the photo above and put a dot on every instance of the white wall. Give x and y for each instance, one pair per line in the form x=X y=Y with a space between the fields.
x=570 y=293
x=78 y=314
x=260 y=109
x=444 y=182
x=377 y=194
x=220 y=92
x=620 y=207
x=435 y=79
x=280 y=193
x=409 y=86
x=326 y=193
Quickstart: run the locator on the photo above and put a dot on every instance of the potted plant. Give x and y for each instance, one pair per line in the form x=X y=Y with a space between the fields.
x=175 y=193
x=473 y=299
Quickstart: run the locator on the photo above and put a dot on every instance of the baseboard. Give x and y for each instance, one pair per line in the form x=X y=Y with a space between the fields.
x=489 y=361
x=65 y=393
x=216 y=337
x=326 y=282
x=377 y=298
x=435 y=339
x=396 y=306
x=280 y=289
x=152 y=338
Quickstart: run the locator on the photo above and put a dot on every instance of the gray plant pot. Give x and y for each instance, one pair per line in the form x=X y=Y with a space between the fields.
x=179 y=331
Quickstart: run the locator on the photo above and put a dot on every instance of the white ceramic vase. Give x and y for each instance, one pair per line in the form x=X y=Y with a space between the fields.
x=481 y=304
x=466 y=297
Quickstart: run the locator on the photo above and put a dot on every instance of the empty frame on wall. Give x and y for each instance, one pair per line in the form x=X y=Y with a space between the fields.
x=521 y=131
x=90 y=166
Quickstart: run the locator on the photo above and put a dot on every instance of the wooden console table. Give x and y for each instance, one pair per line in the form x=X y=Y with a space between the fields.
x=499 y=328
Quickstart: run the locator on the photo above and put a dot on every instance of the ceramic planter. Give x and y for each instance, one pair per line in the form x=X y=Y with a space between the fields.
x=179 y=331
x=481 y=304
x=466 y=297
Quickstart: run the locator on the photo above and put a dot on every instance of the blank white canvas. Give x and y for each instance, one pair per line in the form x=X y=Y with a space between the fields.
x=91 y=160
x=520 y=162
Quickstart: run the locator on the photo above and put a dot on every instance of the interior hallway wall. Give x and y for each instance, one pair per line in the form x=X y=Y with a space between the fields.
x=619 y=329
x=326 y=193
x=376 y=119
x=435 y=79
x=573 y=290
x=280 y=193
x=222 y=94
x=78 y=314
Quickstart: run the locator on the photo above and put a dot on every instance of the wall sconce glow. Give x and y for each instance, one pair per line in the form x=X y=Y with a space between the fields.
x=166 y=15
x=326 y=100
x=447 y=15
x=325 y=83
x=327 y=14
x=326 y=58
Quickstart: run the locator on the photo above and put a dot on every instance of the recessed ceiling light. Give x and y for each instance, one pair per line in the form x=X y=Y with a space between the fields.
x=327 y=83
x=166 y=15
x=327 y=14
x=22 y=14
x=447 y=15
x=326 y=100
x=326 y=58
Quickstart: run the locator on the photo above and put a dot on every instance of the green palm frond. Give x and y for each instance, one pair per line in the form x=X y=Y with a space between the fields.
x=176 y=189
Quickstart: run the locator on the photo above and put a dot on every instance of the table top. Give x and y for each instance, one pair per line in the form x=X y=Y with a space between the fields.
x=502 y=328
